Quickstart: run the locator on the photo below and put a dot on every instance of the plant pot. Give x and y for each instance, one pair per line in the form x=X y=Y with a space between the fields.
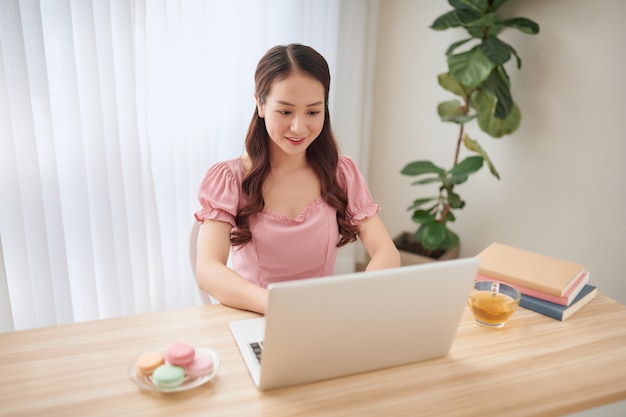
x=409 y=251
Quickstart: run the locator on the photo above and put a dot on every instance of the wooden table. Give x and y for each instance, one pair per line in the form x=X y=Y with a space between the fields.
x=534 y=366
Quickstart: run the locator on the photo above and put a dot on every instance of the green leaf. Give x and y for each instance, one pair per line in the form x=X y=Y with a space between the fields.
x=456 y=45
x=423 y=235
x=450 y=84
x=458 y=179
x=482 y=101
x=478 y=7
x=433 y=235
x=470 y=68
x=450 y=108
x=461 y=172
x=449 y=217
x=494 y=30
x=455 y=200
x=496 y=50
x=485 y=104
x=498 y=84
x=422 y=167
x=517 y=57
x=452 y=111
x=452 y=239
x=499 y=127
x=420 y=202
x=467 y=166
x=467 y=17
x=428 y=181
x=522 y=24
x=422 y=216
x=455 y=180
x=473 y=145
x=445 y=21
x=459 y=119
x=475 y=32
x=495 y=4
x=484 y=22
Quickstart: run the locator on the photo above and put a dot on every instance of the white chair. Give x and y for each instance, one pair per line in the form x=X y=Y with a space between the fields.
x=193 y=254
x=6 y=314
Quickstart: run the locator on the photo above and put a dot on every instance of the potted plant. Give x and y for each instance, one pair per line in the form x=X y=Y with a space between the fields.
x=477 y=76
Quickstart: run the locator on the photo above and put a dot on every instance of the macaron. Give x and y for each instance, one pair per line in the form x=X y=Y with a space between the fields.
x=180 y=354
x=168 y=376
x=199 y=367
x=148 y=362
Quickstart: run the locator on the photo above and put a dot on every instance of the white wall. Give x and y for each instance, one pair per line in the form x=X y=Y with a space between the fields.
x=562 y=190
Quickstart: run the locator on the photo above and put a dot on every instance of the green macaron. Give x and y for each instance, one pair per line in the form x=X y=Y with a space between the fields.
x=168 y=376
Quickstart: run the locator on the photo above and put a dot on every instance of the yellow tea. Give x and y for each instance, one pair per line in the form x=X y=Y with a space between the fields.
x=492 y=308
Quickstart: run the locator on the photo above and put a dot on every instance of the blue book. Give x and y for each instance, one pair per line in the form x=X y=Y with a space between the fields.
x=557 y=311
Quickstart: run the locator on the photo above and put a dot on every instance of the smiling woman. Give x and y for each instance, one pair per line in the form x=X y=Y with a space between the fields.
x=109 y=114
x=285 y=207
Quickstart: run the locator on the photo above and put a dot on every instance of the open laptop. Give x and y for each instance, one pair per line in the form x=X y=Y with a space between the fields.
x=322 y=328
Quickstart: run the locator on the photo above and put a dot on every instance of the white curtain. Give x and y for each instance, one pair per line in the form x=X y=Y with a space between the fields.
x=111 y=111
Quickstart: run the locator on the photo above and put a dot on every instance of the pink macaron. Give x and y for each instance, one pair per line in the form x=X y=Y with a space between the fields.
x=180 y=354
x=199 y=367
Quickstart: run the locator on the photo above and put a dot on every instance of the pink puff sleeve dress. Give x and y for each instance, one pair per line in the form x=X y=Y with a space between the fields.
x=283 y=248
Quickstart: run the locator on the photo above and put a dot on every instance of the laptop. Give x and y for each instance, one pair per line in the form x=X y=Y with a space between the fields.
x=322 y=328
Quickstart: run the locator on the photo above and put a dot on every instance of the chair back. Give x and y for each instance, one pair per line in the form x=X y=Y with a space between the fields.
x=193 y=256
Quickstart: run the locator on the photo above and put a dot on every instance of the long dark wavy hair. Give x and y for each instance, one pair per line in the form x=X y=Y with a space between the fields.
x=323 y=154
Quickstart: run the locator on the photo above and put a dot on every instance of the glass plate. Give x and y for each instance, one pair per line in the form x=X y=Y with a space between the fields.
x=145 y=382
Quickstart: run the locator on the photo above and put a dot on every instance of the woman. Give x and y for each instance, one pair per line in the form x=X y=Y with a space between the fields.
x=288 y=203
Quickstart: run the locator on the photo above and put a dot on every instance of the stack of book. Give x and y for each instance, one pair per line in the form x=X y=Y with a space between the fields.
x=553 y=287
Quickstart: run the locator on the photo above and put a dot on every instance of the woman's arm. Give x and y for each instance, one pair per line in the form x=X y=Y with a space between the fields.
x=214 y=277
x=378 y=243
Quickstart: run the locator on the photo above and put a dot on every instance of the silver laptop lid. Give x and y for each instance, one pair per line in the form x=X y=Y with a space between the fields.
x=322 y=328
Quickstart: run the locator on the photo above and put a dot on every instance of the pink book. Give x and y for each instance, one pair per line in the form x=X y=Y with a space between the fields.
x=563 y=300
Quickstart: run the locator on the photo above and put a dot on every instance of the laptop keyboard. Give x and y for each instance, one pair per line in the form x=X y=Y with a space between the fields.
x=257 y=349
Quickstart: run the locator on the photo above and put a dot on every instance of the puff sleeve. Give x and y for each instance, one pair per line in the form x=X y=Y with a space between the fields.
x=219 y=195
x=360 y=203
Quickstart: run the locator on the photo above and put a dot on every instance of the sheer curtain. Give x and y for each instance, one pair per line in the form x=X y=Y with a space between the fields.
x=110 y=113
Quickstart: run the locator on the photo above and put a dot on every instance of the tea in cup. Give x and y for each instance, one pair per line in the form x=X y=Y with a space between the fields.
x=492 y=303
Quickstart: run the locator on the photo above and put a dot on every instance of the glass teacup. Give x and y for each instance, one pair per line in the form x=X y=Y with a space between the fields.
x=493 y=303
